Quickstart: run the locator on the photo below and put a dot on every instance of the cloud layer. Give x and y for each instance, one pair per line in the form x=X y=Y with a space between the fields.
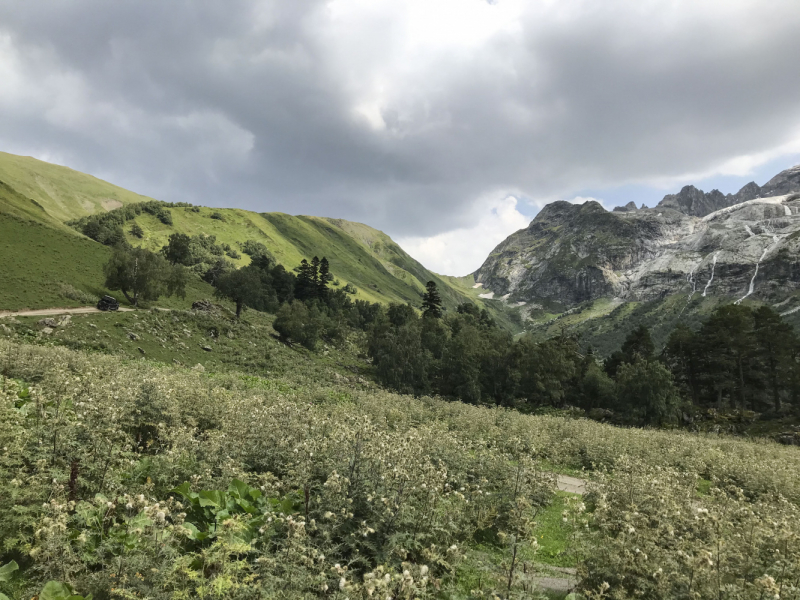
x=414 y=116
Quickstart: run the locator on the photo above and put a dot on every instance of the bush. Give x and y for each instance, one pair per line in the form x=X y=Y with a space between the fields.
x=73 y=293
x=218 y=216
x=136 y=230
x=296 y=323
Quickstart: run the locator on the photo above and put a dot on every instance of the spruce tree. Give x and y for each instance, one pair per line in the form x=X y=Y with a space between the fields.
x=304 y=284
x=315 y=275
x=324 y=277
x=775 y=339
x=431 y=302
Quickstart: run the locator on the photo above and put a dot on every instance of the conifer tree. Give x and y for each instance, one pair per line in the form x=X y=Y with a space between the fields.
x=315 y=274
x=775 y=339
x=304 y=288
x=431 y=302
x=324 y=277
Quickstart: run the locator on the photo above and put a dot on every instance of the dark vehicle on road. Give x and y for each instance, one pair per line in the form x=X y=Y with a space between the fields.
x=108 y=303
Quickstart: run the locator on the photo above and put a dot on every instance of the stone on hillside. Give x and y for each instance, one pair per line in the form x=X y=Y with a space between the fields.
x=207 y=348
x=203 y=305
x=47 y=330
x=133 y=336
x=48 y=322
x=199 y=368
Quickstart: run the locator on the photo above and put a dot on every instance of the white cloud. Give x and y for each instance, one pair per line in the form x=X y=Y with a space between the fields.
x=462 y=251
x=401 y=114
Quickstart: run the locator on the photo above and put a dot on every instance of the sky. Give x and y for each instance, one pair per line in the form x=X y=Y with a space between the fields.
x=447 y=124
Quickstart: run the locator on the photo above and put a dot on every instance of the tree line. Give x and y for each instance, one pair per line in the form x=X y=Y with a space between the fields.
x=741 y=358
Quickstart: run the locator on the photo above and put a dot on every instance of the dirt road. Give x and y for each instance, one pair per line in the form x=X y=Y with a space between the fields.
x=46 y=312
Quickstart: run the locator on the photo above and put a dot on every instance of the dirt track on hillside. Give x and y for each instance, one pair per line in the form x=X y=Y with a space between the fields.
x=46 y=312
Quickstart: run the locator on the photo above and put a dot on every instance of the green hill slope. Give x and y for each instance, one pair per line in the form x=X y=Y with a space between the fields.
x=60 y=192
x=32 y=191
x=360 y=255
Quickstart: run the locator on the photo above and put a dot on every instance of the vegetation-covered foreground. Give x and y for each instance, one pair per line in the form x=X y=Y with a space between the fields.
x=136 y=480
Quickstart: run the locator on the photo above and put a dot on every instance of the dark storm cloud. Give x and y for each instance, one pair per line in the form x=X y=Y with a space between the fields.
x=256 y=104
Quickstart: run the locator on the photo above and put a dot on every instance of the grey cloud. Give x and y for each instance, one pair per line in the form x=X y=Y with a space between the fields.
x=245 y=103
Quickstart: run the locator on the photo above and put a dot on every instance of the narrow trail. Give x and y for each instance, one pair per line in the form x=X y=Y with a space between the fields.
x=573 y=485
x=558 y=579
x=45 y=312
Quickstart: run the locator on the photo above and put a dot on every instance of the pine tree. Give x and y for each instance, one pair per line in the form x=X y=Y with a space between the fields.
x=304 y=288
x=315 y=275
x=324 y=277
x=431 y=302
x=775 y=339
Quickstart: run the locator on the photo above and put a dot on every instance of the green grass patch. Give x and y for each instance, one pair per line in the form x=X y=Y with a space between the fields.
x=36 y=259
x=552 y=534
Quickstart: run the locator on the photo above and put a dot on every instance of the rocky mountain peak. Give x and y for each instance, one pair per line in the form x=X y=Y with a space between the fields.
x=629 y=207
x=696 y=203
x=737 y=245
x=785 y=182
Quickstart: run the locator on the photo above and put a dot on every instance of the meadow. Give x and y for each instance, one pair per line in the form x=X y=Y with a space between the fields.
x=127 y=478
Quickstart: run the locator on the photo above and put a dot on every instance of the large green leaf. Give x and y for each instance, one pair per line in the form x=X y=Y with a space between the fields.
x=7 y=569
x=55 y=590
x=212 y=498
x=239 y=489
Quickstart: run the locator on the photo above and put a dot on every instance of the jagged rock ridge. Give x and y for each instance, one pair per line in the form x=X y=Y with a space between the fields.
x=695 y=202
x=692 y=241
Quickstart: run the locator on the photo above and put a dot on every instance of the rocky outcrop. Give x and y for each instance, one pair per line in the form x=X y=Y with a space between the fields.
x=629 y=207
x=748 y=246
x=696 y=203
x=785 y=182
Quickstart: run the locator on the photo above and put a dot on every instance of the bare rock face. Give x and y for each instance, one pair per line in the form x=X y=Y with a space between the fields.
x=785 y=182
x=748 y=245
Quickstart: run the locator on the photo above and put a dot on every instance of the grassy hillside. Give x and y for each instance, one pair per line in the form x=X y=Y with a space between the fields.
x=40 y=263
x=358 y=254
x=60 y=192
x=51 y=195
x=37 y=260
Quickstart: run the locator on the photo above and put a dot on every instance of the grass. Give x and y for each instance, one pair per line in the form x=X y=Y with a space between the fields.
x=178 y=337
x=36 y=258
x=61 y=193
x=50 y=195
x=552 y=535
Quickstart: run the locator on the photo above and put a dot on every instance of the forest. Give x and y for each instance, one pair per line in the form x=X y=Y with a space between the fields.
x=742 y=358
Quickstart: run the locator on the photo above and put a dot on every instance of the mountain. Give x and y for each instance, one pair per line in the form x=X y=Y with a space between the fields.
x=42 y=253
x=743 y=245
